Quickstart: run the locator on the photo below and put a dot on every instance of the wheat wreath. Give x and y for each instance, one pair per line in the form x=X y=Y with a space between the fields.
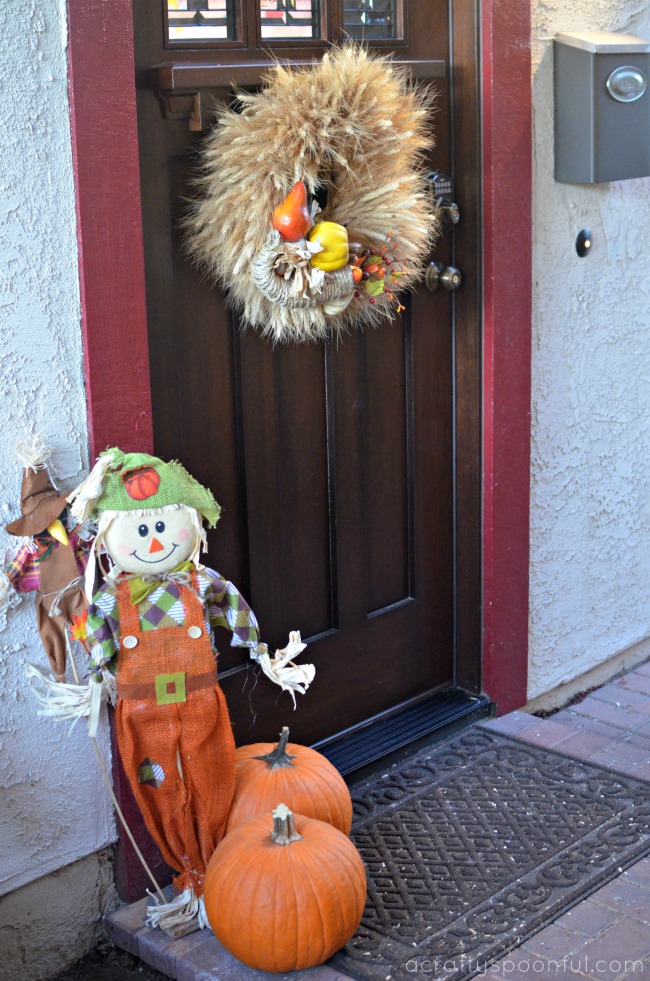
x=351 y=124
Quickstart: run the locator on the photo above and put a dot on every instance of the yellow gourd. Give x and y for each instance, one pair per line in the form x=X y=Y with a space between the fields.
x=333 y=240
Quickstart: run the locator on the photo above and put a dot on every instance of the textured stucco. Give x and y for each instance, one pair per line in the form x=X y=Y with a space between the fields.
x=590 y=478
x=53 y=806
x=46 y=926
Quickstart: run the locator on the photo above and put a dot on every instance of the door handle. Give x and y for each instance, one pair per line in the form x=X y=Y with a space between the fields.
x=438 y=275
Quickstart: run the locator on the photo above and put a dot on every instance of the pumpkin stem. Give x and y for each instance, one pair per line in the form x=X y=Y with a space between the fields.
x=284 y=827
x=279 y=757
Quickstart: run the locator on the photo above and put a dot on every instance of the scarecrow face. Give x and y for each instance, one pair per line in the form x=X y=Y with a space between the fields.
x=158 y=542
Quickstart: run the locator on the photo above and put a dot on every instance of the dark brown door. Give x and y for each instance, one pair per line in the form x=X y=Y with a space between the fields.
x=340 y=467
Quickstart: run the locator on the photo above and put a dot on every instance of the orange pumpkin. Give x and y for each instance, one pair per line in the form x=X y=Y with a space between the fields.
x=265 y=774
x=141 y=483
x=287 y=898
x=291 y=218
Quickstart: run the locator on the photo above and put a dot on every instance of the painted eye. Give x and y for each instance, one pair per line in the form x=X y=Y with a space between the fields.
x=143 y=531
x=160 y=527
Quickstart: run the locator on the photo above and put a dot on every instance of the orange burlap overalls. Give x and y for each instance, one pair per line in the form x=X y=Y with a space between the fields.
x=171 y=718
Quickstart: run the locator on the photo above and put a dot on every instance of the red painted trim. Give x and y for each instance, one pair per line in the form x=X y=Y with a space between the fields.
x=507 y=188
x=111 y=275
x=109 y=225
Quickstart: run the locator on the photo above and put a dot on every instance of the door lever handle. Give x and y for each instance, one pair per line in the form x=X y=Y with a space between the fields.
x=438 y=275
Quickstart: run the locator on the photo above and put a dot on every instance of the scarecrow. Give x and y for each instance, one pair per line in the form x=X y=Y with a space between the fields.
x=150 y=625
x=53 y=561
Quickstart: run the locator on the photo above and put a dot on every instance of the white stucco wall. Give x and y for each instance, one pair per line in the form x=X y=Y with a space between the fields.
x=590 y=522
x=53 y=806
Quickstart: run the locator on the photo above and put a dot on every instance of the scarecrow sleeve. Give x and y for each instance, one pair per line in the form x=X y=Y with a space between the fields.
x=102 y=631
x=228 y=608
x=23 y=572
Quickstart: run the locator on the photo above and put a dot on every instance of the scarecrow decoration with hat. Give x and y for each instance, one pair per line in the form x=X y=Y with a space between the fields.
x=150 y=636
x=53 y=561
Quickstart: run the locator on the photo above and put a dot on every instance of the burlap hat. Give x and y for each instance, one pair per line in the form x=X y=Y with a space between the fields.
x=40 y=503
x=137 y=481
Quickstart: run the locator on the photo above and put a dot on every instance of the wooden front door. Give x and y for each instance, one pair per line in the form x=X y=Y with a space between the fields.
x=348 y=472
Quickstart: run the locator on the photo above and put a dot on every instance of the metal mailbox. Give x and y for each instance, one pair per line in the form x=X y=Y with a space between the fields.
x=602 y=107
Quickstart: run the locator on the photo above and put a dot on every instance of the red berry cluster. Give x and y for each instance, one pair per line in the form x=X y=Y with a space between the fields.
x=376 y=272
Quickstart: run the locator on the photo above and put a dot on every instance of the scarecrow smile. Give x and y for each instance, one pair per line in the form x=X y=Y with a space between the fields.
x=155 y=561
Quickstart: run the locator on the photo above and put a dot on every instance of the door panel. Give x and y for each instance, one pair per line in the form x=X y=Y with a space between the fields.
x=335 y=462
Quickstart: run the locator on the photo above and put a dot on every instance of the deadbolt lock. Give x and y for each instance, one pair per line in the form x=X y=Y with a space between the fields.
x=438 y=275
x=442 y=193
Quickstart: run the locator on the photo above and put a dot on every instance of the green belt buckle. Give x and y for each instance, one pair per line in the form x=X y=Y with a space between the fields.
x=170 y=688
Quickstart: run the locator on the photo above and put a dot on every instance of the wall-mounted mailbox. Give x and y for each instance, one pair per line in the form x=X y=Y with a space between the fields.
x=602 y=107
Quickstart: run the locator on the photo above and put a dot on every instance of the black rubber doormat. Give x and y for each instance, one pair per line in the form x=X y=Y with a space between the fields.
x=473 y=845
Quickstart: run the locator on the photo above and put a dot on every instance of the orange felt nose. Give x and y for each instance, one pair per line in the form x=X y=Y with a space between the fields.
x=156 y=546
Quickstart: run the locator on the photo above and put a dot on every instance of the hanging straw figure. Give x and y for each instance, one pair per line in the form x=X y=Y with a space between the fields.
x=51 y=563
x=150 y=626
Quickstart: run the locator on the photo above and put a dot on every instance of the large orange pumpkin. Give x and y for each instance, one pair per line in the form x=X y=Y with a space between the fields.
x=283 y=894
x=266 y=773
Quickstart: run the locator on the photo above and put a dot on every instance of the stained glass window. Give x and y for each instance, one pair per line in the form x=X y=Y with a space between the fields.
x=373 y=20
x=201 y=20
x=212 y=21
x=286 y=20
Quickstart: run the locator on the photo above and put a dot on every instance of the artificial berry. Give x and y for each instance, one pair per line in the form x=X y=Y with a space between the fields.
x=372 y=299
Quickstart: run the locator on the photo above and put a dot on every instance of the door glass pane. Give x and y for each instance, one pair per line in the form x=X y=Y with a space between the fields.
x=201 y=20
x=373 y=20
x=288 y=19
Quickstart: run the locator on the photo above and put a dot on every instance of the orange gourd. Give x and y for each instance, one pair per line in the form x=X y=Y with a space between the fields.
x=291 y=218
x=266 y=773
x=284 y=893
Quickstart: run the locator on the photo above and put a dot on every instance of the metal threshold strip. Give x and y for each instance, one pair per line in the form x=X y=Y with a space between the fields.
x=410 y=727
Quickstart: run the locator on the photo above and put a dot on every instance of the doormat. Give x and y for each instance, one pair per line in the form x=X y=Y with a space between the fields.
x=474 y=845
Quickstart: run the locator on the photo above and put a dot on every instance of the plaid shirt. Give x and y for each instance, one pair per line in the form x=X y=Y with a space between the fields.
x=224 y=606
x=24 y=570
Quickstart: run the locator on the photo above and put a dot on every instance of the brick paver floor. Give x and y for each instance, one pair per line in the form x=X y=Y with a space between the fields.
x=606 y=937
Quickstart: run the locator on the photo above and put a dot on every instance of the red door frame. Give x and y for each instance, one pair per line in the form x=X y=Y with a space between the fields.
x=111 y=269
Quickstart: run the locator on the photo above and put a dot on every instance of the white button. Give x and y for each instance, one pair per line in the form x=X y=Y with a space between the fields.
x=130 y=641
x=194 y=632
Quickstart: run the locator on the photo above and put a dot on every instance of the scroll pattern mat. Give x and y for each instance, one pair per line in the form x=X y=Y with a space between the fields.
x=474 y=844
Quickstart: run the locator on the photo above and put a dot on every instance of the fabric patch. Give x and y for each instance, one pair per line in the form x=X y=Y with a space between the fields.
x=170 y=688
x=105 y=601
x=151 y=772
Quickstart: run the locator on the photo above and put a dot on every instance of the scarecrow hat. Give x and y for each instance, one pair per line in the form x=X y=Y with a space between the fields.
x=140 y=482
x=40 y=503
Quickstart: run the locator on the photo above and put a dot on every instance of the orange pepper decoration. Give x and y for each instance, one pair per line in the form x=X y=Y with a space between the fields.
x=291 y=218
